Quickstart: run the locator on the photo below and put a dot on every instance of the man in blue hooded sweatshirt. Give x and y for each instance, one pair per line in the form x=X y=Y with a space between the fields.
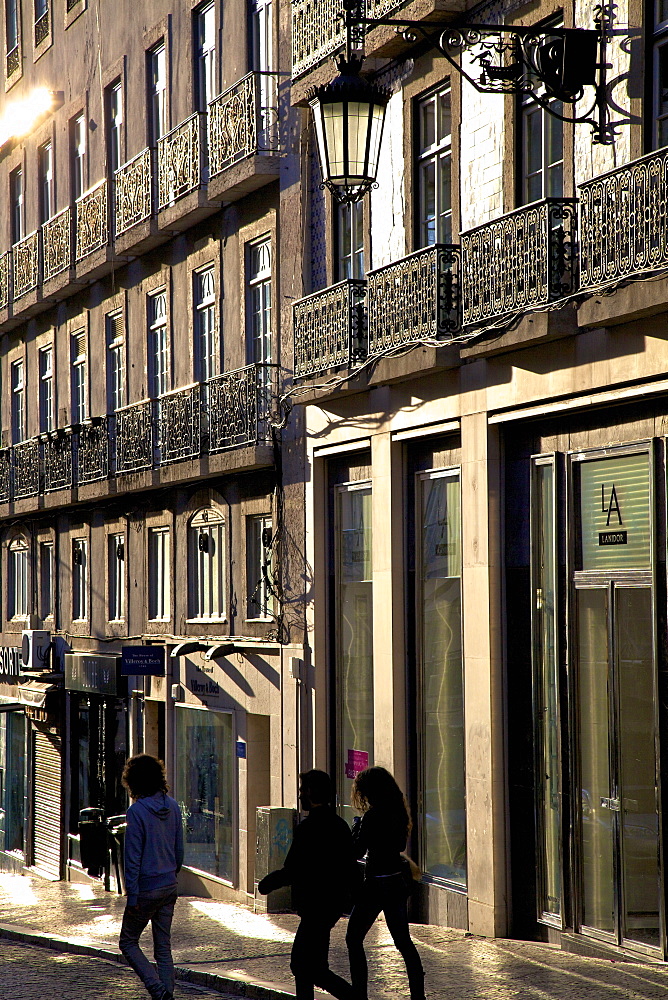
x=153 y=859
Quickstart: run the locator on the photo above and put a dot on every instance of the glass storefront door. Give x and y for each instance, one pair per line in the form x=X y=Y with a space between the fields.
x=619 y=829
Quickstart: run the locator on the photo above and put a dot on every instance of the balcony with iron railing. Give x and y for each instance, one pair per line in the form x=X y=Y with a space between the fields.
x=25 y=265
x=57 y=248
x=414 y=299
x=183 y=174
x=330 y=328
x=228 y=412
x=133 y=202
x=624 y=221
x=520 y=261
x=243 y=137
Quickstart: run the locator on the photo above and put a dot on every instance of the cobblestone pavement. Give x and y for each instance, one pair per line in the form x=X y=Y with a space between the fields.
x=28 y=973
x=235 y=943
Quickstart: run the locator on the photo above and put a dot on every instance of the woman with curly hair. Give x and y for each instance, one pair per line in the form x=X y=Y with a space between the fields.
x=380 y=838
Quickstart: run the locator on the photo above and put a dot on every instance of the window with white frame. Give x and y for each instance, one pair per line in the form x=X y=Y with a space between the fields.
x=116 y=576
x=158 y=574
x=260 y=599
x=259 y=301
x=114 y=124
x=207 y=350
x=157 y=84
x=16 y=204
x=206 y=565
x=350 y=240
x=17 y=579
x=46 y=580
x=158 y=345
x=18 y=401
x=205 y=43
x=79 y=378
x=45 y=169
x=78 y=141
x=435 y=168
x=46 y=400
x=542 y=151
x=79 y=579
x=115 y=361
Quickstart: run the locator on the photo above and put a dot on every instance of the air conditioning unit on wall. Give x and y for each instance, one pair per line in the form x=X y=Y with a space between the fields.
x=35 y=650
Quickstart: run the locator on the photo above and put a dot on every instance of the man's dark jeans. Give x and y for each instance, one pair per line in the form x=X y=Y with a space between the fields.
x=157 y=907
x=309 y=961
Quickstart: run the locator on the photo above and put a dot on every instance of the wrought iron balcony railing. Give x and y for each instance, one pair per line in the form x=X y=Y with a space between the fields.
x=317 y=31
x=414 y=299
x=243 y=120
x=178 y=422
x=57 y=244
x=13 y=61
x=26 y=469
x=5 y=278
x=235 y=406
x=57 y=463
x=26 y=265
x=132 y=192
x=519 y=261
x=93 y=450
x=134 y=437
x=92 y=220
x=181 y=166
x=5 y=474
x=624 y=221
x=330 y=327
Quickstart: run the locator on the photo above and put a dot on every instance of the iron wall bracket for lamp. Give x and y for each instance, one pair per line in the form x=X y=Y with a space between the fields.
x=553 y=65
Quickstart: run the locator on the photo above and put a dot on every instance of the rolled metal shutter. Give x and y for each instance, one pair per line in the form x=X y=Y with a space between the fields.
x=47 y=786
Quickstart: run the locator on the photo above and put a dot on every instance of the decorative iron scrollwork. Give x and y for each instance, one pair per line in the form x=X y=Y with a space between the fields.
x=57 y=460
x=26 y=469
x=5 y=274
x=26 y=265
x=132 y=189
x=42 y=27
x=179 y=160
x=57 y=244
x=92 y=221
x=624 y=221
x=178 y=421
x=519 y=261
x=330 y=327
x=93 y=451
x=317 y=32
x=134 y=437
x=414 y=299
x=230 y=408
x=5 y=474
x=13 y=61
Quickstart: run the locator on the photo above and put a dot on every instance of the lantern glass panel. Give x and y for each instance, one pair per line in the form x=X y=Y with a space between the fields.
x=333 y=120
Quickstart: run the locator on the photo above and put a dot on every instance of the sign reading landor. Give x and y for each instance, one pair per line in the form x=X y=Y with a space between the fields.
x=615 y=512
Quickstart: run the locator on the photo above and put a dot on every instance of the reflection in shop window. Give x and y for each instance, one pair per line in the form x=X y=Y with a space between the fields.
x=354 y=636
x=443 y=814
x=204 y=788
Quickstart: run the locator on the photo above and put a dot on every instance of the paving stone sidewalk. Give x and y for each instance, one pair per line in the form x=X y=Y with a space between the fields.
x=227 y=947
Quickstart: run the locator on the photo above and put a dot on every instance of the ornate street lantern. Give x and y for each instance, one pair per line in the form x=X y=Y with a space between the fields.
x=349 y=114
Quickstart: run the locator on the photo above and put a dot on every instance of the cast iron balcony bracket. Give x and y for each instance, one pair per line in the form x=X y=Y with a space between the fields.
x=551 y=64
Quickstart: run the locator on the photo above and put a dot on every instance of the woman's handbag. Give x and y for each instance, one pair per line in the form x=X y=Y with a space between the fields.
x=410 y=873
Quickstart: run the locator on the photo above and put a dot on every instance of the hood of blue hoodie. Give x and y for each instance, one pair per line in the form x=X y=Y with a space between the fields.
x=157 y=804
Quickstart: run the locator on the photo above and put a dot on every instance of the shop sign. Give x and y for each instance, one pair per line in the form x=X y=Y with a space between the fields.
x=358 y=760
x=143 y=660
x=90 y=673
x=615 y=512
x=10 y=661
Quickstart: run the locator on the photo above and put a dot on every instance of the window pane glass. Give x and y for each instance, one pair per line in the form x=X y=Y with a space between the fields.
x=204 y=788
x=444 y=802
x=12 y=781
x=354 y=634
x=428 y=189
x=548 y=796
x=427 y=124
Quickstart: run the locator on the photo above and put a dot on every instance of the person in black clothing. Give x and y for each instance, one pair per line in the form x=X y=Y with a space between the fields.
x=319 y=866
x=380 y=837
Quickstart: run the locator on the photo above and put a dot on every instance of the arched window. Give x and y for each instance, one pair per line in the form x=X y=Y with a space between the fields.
x=17 y=579
x=206 y=564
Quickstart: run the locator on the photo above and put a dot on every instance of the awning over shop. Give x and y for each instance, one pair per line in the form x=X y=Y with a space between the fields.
x=34 y=693
x=9 y=706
